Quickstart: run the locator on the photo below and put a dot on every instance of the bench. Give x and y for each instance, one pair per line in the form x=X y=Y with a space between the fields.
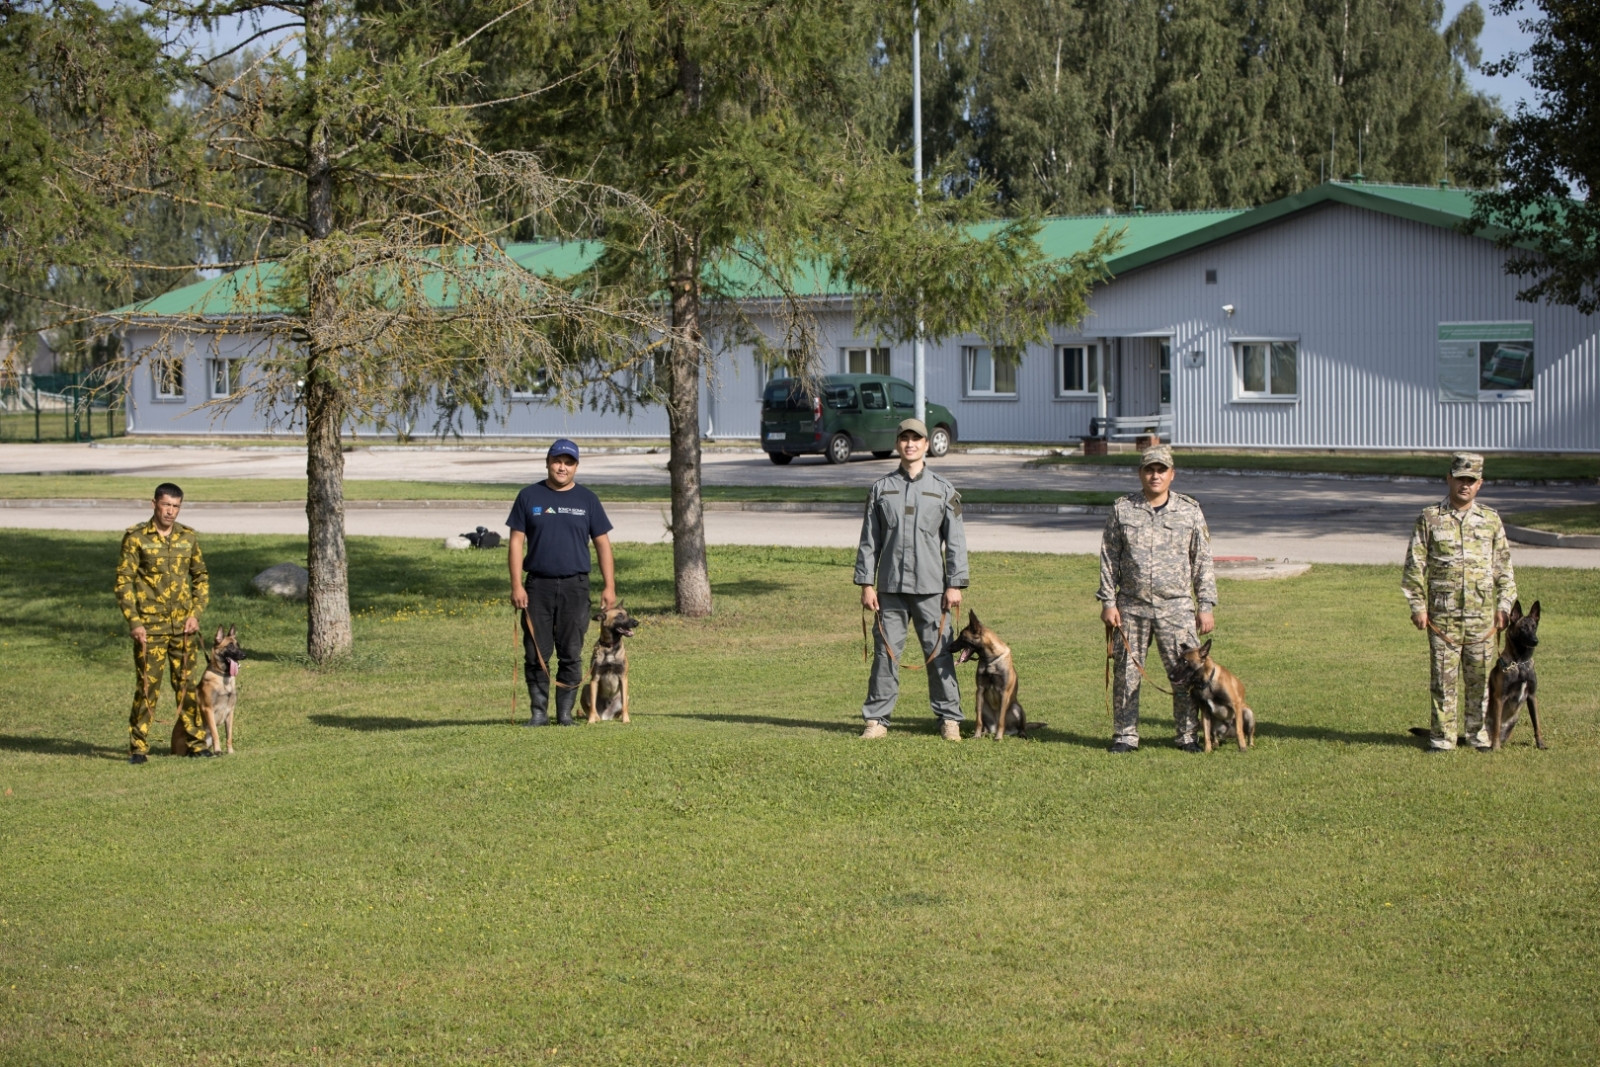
x=1115 y=427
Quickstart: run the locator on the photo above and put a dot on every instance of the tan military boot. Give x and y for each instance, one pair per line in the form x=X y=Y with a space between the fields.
x=950 y=730
x=874 y=729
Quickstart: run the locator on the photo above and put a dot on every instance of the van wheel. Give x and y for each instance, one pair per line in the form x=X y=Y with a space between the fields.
x=883 y=455
x=780 y=458
x=939 y=442
x=839 y=448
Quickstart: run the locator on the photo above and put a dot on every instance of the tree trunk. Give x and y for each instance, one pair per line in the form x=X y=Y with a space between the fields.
x=328 y=594
x=691 y=581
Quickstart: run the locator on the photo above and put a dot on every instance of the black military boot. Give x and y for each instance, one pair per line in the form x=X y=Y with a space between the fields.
x=539 y=697
x=565 y=698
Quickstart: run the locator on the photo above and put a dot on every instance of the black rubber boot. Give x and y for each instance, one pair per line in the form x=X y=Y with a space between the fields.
x=565 y=698
x=539 y=697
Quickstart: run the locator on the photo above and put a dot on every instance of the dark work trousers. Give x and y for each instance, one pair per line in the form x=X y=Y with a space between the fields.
x=558 y=609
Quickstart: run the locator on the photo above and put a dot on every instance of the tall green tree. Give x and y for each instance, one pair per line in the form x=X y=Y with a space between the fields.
x=1548 y=157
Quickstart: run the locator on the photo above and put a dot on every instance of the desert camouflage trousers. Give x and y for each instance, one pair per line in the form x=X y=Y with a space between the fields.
x=1460 y=673
x=176 y=654
x=1170 y=632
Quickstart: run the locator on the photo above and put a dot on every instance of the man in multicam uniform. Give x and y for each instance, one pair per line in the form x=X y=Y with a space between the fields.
x=1156 y=582
x=162 y=587
x=1459 y=583
x=911 y=566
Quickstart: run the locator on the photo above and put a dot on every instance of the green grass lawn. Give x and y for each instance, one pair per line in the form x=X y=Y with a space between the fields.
x=1512 y=466
x=1579 y=519
x=256 y=490
x=59 y=426
x=388 y=872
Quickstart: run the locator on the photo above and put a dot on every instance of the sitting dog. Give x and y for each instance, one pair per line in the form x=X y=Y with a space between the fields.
x=1513 y=682
x=1218 y=696
x=218 y=693
x=997 y=680
x=606 y=695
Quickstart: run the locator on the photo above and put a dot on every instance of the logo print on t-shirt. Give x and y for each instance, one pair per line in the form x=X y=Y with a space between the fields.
x=538 y=511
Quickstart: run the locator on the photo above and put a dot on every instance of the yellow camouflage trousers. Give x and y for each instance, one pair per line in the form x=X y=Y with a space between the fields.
x=177 y=655
x=1170 y=632
x=1460 y=671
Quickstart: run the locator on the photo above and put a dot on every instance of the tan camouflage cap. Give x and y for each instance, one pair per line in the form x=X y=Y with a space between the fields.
x=1159 y=454
x=916 y=426
x=1466 y=465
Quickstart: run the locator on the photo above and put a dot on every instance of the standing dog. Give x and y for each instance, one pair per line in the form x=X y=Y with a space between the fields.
x=1513 y=682
x=997 y=680
x=606 y=695
x=1218 y=696
x=219 y=692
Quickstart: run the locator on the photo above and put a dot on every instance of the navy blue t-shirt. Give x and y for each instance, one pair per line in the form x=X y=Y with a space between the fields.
x=559 y=526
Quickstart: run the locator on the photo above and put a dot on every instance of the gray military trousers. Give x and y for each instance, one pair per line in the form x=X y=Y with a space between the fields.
x=895 y=611
x=1170 y=631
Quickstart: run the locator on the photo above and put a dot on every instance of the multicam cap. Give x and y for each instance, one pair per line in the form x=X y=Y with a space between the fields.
x=916 y=426
x=1159 y=454
x=1466 y=465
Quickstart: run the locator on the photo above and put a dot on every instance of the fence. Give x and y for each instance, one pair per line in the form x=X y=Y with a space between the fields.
x=61 y=407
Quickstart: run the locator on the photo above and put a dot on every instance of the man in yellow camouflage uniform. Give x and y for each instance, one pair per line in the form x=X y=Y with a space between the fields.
x=1459 y=583
x=162 y=587
x=1156 y=582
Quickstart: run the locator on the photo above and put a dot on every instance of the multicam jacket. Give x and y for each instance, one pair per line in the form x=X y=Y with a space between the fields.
x=1459 y=564
x=161 y=581
x=912 y=539
x=1157 y=562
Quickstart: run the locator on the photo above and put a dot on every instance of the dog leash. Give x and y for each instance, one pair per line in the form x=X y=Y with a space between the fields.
x=524 y=626
x=1129 y=646
x=866 y=637
x=187 y=667
x=1494 y=632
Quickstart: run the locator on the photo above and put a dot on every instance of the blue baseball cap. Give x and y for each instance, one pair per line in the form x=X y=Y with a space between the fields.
x=561 y=447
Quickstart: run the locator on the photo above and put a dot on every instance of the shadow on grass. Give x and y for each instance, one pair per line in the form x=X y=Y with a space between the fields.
x=1344 y=737
x=58 y=746
x=831 y=726
x=379 y=723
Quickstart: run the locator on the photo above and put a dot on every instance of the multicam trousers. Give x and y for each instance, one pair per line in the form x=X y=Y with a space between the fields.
x=179 y=653
x=1460 y=670
x=1170 y=633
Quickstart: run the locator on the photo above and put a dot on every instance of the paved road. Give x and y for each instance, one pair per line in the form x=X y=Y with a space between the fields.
x=1319 y=520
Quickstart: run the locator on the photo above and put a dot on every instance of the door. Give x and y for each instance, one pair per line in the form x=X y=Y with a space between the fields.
x=878 y=421
x=1139 y=376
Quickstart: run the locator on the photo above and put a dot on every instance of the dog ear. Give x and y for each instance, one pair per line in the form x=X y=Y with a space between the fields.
x=1516 y=608
x=597 y=616
x=233 y=629
x=1533 y=612
x=1205 y=649
x=217 y=639
x=972 y=619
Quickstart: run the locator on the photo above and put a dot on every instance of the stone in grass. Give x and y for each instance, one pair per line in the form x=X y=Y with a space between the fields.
x=286 y=580
x=457 y=541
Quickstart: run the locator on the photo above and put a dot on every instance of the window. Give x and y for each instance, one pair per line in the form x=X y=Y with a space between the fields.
x=1266 y=370
x=1165 y=364
x=1211 y=276
x=990 y=372
x=1078 y=369
x=169 y=379
x=531 y=385
x=902 y=397
x=224 y=378
x=842 y=397
x=873 y=398
x=865 y=361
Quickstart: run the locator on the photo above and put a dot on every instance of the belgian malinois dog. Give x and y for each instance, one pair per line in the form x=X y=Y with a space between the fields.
x=606 y=695
x=1218 y=696
x=997 y=680
x=218 y=693
x=1513 y=682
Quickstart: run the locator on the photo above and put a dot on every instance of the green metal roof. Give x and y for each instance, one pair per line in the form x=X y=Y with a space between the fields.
x=1145 y=239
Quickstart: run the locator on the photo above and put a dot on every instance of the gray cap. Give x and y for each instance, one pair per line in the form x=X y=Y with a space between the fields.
x=1159 y=454
x=916 y=426
x=1466 y=465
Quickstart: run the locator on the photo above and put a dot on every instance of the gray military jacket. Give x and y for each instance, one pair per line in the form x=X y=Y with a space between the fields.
x=1157 y=563
x=912 y=540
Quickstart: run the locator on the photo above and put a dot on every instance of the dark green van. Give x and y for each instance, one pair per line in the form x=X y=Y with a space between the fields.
x=853 y=413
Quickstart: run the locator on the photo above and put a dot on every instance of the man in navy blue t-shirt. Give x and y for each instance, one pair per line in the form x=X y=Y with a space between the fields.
x=554 y=521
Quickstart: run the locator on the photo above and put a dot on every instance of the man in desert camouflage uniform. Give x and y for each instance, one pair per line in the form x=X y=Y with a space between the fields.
x=162 y=587
x=1459 y=583
x=1156 y=582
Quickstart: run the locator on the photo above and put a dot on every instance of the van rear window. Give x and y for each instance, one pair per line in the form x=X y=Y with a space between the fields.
x=785 y=394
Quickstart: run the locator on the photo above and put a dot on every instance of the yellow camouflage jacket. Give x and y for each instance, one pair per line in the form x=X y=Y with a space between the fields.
x=161 y=581
x=1459 y=564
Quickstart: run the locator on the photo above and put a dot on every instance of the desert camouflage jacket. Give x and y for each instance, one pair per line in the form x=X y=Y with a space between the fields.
x=912 y=539
x=161 y=581
x=1459 y=564
x=1157 y=562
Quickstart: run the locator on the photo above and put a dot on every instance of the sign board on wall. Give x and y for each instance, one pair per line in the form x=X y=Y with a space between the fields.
x=1485 y=362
